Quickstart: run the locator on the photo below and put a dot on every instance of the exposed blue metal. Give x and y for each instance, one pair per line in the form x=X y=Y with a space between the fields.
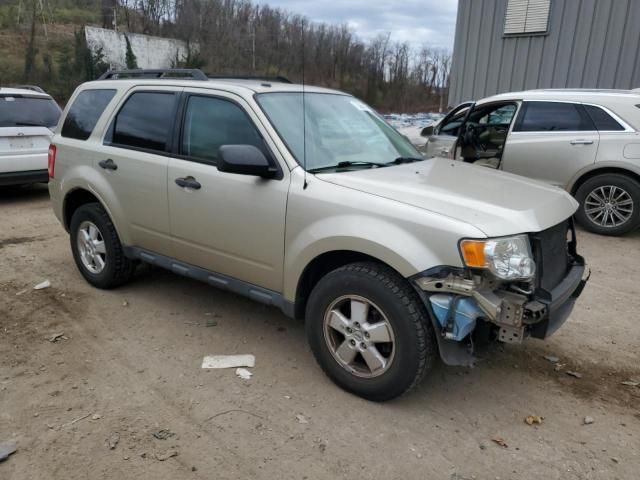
x=464 y=317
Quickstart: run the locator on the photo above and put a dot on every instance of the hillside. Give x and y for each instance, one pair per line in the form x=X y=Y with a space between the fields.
x=45 y=46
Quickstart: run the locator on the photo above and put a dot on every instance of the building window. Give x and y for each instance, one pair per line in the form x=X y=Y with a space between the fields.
x=527 y=17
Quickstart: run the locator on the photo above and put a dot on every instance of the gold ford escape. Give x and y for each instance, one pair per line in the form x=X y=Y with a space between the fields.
x=304 y=198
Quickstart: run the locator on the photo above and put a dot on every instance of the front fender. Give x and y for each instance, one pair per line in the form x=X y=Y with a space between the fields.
x=381 y=239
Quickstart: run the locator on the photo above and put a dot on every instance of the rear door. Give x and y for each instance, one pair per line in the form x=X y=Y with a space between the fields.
x=445 y=134
x=551 y=141
x=134 y=161
x=231 y=224
x=26 y=125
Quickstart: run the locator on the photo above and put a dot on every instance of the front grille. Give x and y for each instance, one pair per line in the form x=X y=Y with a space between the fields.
x=551 y=253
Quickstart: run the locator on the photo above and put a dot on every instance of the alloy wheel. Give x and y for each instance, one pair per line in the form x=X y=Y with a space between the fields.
x=609 y=206
x=91 y=247
x=359 y=336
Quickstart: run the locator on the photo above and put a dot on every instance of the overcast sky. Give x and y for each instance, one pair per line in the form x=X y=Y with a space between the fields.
x=415 y=21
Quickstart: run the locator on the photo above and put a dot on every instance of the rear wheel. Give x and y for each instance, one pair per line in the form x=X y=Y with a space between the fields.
x=609 y=204
x=96 y=248
x=369 y=331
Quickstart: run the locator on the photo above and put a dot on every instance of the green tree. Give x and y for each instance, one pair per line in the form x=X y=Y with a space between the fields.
x=130 y=57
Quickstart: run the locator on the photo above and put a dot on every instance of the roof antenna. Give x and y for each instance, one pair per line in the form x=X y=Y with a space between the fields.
x=304 y=120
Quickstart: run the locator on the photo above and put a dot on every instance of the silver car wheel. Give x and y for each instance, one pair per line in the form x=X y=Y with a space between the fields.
x=609 y=206
x=91 y=247
x=359 y=336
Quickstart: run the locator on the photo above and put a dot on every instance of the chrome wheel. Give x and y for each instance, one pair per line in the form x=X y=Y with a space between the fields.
x=609 y=206
x=93 y=253
x=359 y=336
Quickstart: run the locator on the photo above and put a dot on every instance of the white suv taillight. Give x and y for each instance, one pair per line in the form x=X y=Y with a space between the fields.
x=52 y=160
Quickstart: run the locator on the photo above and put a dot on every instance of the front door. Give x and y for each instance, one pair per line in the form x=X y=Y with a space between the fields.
x=229 y=223
x=445 y=135
x=551 y=141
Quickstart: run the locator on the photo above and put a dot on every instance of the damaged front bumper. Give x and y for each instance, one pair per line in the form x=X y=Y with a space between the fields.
x=458 y=299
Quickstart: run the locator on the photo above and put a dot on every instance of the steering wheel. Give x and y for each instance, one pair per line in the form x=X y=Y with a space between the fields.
x=470 y=137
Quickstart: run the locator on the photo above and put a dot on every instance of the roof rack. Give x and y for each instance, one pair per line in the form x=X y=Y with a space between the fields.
x=33 y=88
x=278 y=79
x=181 y=73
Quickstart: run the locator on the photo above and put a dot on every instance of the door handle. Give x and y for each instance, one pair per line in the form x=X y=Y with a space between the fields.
x=108 y=164
x=188 y=182
x=581 y=142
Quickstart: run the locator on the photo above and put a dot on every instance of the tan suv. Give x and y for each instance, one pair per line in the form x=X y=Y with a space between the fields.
x=305 y=199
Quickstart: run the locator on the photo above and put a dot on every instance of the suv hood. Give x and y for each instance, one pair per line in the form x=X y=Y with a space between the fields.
x=495 y=202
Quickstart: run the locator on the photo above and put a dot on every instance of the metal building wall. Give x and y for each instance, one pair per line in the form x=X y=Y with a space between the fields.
x=590 y=44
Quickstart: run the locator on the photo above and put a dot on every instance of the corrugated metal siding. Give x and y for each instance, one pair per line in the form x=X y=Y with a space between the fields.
x=590 y=44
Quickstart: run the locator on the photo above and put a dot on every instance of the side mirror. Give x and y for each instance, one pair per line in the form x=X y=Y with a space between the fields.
x=245 y=160
x=427 y=131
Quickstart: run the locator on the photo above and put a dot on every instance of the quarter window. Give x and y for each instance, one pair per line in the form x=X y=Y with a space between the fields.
x=145 y=121
x=553 y=117
x=602 y=120
x=85 y=112
x=210 y=123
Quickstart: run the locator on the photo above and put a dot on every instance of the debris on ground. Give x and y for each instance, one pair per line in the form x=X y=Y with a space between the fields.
x=500 y=441
x=163 y=434
x=573 y=374
x=6 y=449
x=57 y=336
x=533 y=420
x=631 y=383
x=559 y=366
x=125 y=303
x=113 y=440
x=43 y=285
x=96 y=416
x=76 y=420
x=615 y=459
x=551 y=358
x=166 y=456
x=243 y=373
x=587 y=420
x=301 y=419
x=229 y=361
x=21 y=292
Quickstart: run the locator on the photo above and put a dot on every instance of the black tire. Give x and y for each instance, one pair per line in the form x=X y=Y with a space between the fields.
x=118 y=269
x=620 y=181
x=415 y=348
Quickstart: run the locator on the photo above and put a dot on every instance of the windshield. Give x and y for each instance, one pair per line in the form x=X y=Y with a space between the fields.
x=26 y=111
x=341 y=131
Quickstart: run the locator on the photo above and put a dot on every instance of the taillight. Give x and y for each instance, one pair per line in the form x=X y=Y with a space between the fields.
x=52 y=160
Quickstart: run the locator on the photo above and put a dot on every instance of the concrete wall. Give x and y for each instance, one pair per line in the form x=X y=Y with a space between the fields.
x=150 y=52
x=590 y=44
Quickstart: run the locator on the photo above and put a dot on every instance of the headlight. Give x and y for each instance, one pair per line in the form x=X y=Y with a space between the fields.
x=508 y=258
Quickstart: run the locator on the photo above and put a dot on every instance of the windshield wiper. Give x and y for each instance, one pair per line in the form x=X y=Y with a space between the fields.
x=347 y=164
x=400 y=160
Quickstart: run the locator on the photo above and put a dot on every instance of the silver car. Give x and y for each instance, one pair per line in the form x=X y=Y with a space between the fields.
x=585 y=141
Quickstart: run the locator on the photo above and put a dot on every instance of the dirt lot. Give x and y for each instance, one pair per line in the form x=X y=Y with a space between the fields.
x=130 y=366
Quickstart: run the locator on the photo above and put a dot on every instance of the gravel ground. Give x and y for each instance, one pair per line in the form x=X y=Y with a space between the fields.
x=128 y=366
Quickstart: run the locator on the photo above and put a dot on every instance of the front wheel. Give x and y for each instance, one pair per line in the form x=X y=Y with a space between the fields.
x=609 y=204
x=369 y=331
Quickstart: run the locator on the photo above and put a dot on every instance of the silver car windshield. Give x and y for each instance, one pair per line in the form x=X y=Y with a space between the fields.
x=341 y=131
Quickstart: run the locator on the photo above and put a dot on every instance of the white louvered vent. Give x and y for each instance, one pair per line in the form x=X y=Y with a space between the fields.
x=527 y=16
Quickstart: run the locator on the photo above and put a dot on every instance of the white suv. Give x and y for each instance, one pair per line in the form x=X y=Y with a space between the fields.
x=28 y=117
x=585 y=141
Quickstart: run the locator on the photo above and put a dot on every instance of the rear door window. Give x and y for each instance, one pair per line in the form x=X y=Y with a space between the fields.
x=28 y=111
x=85 y=112
x=553 y=117
x=144 y=122
x=602 y=120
